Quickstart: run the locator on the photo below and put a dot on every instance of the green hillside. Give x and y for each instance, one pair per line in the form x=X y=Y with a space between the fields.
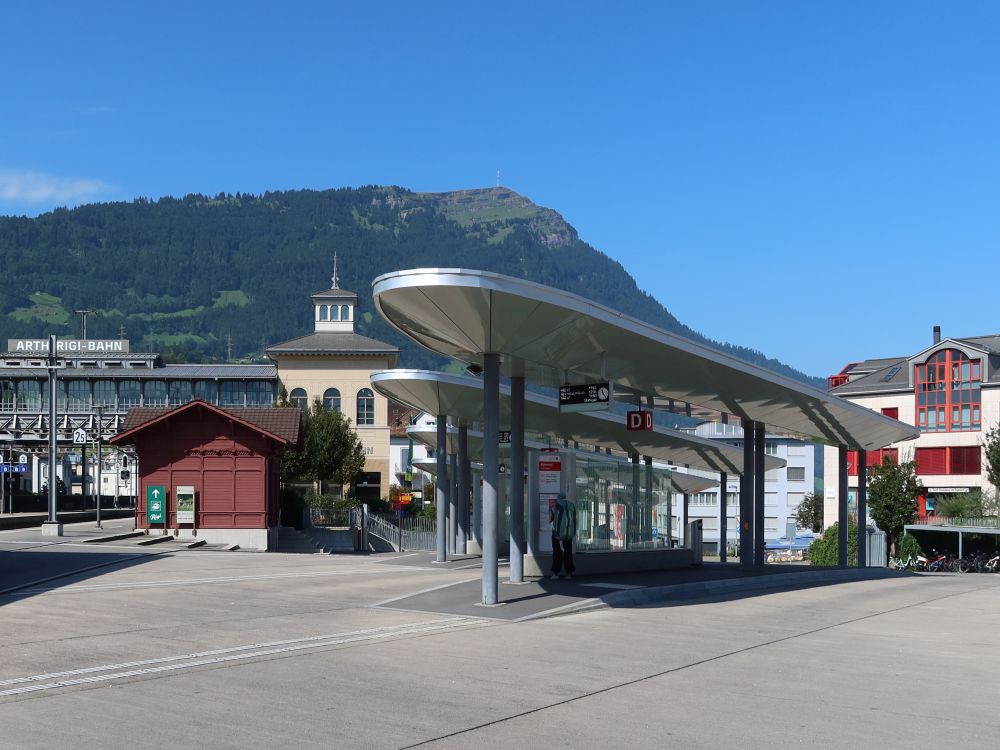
x=184 y=275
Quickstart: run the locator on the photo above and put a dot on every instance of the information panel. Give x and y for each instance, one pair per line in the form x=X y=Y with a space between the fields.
x=156 y=503
x=587 y=397
x=184 y=496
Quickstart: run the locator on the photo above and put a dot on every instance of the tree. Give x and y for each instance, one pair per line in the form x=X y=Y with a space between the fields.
x=809 y=513
x=892 y=497
x=992 y=451
x=331 y=450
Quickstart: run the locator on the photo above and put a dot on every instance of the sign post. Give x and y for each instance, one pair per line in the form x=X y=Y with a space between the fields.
x=156 y=505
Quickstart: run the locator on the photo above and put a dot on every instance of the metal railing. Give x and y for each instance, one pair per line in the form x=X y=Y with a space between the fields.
x=332 y=517
x=986 y=522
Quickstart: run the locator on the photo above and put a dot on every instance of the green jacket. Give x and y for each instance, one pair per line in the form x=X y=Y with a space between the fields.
x=563 y=519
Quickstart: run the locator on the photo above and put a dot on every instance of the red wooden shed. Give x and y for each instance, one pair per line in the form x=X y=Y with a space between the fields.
x=228 y=456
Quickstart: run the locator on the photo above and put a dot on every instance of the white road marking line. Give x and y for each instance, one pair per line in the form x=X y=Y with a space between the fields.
x=188 y=581
x=220 y=656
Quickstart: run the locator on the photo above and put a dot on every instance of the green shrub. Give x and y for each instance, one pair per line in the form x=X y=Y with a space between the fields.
x=825 y=551
x=908 y=545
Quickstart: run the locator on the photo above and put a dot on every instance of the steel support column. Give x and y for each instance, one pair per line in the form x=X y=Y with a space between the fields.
x=452 y=503
x=842 y=506
x=517 y=479
x=723 y=528
x=491 y=474
x=862 y=509
x=464 y=479
x=648 y=505
x=759 y=495
x=746 y=497
x=440 y=490
x=53 y=485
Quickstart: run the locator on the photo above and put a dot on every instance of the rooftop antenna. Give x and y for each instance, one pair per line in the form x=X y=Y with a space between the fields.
x=83 y=314
x=334 y=279
x=121 y=331
x=229 y=347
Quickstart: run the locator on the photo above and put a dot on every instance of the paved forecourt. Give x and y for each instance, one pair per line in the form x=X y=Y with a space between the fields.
x=255 y=650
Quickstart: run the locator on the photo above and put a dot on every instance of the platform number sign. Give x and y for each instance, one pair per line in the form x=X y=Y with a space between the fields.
x=79 y=436
x=156 y=503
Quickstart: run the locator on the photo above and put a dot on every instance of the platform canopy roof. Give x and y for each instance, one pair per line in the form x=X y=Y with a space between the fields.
x=461 y=398
x=553 y=338
x=680 y=482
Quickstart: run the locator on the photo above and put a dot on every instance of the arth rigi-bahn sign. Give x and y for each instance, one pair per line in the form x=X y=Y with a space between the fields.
x=69 y=346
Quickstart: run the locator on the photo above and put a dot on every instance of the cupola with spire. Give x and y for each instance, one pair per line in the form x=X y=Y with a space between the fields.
x=333 y=308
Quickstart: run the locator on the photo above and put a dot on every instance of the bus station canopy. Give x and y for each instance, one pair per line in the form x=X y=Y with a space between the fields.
x=461 y=397
x=552 y=338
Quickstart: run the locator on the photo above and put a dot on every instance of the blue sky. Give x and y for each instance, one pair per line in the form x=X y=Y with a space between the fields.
x=819 y=181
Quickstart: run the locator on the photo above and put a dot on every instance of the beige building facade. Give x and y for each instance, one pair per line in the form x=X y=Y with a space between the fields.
x=334 y=364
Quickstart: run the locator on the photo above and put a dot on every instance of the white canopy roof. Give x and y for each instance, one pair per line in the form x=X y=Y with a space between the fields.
x=461 y=397
x=554 y=337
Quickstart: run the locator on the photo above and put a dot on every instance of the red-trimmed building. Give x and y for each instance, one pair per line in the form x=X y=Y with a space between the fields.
x=950 y=391
x=230 y=457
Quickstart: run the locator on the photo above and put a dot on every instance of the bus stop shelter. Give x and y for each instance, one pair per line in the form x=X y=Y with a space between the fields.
x=527 y=332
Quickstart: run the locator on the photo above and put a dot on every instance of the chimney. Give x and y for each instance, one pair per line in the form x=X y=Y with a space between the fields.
x=937 y=334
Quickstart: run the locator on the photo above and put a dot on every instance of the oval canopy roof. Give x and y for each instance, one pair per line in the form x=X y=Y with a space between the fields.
x=461 y=397
x=554 y=338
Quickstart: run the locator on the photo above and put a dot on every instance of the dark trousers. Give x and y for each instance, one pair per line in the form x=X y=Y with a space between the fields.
x=562 y=555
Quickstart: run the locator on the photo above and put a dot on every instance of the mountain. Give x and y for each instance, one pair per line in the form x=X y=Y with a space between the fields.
x=197 y=276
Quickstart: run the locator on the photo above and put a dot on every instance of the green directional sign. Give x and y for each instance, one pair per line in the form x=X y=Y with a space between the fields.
x=156 y=503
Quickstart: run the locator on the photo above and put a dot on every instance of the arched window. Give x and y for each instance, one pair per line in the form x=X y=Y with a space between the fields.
x=7 y=395
x=366 y=406
x=948 y=394
x=207 y=391
x=79 y=395
x=155 y=393
x=180 y=392
x=334 y=312
x=345 y=312
x=129 y=393
x=299 y=398
x=331 y=399
x=29 y=395
x=259 y=393
x=104 y=393
x=324 y=312
x=232 y=393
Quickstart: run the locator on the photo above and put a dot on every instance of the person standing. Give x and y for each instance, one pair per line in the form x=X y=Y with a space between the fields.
x=562 y=516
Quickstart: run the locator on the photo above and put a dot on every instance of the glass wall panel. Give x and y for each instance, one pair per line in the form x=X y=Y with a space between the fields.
x=232 y=393
x=206 y=390
x=155 y=393
x=7 y=395
x=129 y=393
x=104 y=393
x=29 y=395
x=79 y=395
x=181 y=391
x=259 y=393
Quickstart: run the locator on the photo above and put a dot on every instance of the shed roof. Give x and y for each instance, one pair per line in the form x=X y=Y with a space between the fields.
x=280 y=423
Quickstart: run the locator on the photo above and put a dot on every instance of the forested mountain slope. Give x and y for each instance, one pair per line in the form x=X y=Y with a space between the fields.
x=187 y=276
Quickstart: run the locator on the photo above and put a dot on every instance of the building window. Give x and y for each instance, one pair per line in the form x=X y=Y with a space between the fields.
x=259 y=393
x=232 y=393
x=345 y=312
x=955 y=460
x=104 y=393
x=948 y=392
x=796 y=474
x=79 y=395
x=180 y=392
x=873 y=458
x=891 y=411
x=366 y=406
x=206 y=390
x=155 y=393
x=334 y=312
x=331 y=399
x=7 y=395
x=770 y=448
x=129 y=393
x=324 y=312
x=29 y=395
x=299 y=398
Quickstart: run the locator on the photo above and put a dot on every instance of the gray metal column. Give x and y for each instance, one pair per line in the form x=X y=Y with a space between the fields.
x=684 y=518
x=491 y=473
x=440 y=487
x=759 y=494
x=842 y=506
x=746 y=497
x=629 y=521
x=100 y=458
x=56 y=528
x=723 y=528
x=452 y=503
x=647 y=507
x=464 y=479
x=517 y=479
x=863 y=509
